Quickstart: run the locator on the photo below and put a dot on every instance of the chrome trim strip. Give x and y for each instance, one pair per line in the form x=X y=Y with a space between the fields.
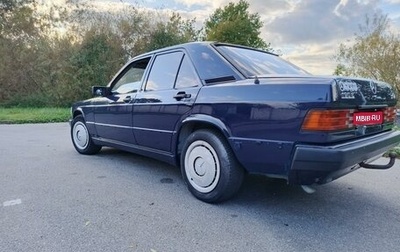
x=113 y=125
x=133 y=128
x=146 y=129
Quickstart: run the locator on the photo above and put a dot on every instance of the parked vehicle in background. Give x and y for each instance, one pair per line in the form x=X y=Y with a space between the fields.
x=220 y=111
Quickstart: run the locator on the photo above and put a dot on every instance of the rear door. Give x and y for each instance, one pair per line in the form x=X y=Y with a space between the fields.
x=169 y=93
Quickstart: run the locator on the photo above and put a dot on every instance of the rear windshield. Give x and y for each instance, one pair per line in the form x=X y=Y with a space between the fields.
x=253 y=63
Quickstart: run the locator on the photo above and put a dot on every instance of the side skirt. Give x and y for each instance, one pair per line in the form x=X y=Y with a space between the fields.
x=163 y=156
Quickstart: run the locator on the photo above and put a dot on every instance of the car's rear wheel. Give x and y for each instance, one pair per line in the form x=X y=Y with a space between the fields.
x=81 y=138
x=209 y=167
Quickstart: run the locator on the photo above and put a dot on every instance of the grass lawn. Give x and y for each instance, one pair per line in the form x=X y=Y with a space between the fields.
x=33 y=115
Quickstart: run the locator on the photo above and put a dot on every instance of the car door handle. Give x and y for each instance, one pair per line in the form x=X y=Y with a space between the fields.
x=127 y=99
x=181 y=95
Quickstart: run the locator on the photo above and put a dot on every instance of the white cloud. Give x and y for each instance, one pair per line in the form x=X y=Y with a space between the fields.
x=315 y=58
x=208 y=4
x=310 y=31
x=314 y=21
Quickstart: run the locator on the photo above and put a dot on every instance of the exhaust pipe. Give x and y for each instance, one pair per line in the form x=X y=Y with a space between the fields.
x=308 y=189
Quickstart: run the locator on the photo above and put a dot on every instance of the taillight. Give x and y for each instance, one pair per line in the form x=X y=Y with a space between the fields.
x=389 y=114
x=336 y=120
x=328 y=120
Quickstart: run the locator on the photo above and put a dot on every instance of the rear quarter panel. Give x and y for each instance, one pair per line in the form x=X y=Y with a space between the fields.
x=264 y=121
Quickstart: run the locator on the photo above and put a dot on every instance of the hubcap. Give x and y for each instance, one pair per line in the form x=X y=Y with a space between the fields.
x=80 y=135
x=202 y=166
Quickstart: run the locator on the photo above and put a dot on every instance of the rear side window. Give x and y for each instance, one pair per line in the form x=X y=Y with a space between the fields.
x=163 y=72
x=211 y=66
x=187 y=77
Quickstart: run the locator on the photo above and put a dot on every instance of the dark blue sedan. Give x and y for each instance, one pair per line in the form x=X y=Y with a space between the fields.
x=220 y=111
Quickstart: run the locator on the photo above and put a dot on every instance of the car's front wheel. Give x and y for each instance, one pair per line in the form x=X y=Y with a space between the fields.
x=209 y=167
x=81 y=138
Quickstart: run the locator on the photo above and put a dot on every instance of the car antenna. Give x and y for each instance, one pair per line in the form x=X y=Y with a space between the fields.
x=256 y=80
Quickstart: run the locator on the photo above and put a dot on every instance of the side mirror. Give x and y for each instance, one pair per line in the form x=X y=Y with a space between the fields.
x=98 y=91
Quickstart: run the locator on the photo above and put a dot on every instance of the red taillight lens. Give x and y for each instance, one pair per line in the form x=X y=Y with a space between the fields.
x=336 y=120
x=328 y=120
x=389 y=114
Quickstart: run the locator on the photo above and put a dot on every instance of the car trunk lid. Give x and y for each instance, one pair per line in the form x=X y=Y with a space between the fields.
x=363 y=93
x=359 y=107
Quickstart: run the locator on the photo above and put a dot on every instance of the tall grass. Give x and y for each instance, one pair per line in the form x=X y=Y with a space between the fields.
x=33 y=115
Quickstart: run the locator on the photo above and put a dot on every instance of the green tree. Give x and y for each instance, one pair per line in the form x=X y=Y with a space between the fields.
x=19 y=35
x=175 y=31
x=17 y=19
x=340 y=70
x=40 y=67
x=234 y=24
x=374 y=53
x=94 y=63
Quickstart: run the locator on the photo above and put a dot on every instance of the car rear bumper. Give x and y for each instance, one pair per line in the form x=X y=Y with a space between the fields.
x=322 y=164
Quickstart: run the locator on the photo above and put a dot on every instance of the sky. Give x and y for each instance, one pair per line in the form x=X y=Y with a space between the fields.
x=305 y=32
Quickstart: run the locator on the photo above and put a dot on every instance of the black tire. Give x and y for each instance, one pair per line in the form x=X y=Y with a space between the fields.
x=209 y=167
x=81 y=138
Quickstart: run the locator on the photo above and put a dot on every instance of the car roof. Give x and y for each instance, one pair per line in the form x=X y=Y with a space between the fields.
x=194 y=46
x=188 y=46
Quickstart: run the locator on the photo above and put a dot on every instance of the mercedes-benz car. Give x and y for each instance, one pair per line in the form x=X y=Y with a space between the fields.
x=219 y=111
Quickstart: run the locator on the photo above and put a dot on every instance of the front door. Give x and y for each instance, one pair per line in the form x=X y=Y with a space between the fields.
x=114 y=118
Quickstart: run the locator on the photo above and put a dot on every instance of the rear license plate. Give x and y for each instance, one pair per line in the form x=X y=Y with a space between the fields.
x=368 y=118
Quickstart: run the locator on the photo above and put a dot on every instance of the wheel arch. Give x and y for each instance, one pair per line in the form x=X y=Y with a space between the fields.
x=78 y=111
x=88 y=117
x=196 y=122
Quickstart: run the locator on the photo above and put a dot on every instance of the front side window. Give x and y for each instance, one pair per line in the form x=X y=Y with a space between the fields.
x=258 y=63
x=163 y=72
x=131 y=79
